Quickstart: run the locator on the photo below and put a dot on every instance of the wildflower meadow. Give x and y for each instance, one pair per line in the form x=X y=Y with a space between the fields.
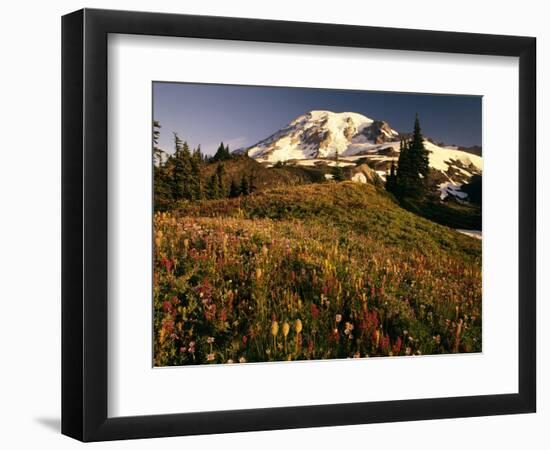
x=308 y=272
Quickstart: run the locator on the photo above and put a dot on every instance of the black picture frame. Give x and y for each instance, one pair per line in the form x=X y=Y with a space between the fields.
x=84 y=224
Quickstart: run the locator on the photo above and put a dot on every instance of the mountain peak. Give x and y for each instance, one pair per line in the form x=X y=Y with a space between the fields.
x=335 y=117
x=321 y=134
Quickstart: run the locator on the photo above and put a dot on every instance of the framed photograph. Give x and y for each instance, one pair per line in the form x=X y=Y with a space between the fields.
x=274 y=225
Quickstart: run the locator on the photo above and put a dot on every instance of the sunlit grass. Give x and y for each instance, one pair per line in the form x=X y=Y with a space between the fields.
x=310 y=272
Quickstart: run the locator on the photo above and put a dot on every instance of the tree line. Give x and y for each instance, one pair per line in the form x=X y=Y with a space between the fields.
x=180 y=175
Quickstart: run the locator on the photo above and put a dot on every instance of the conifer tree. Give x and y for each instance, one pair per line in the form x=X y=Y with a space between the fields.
x=245 y=185
x=222 y=153
x=197 y=155
x=403 y=176
x=391 y=179
x=234 y=189
x=220 y=173
x=413 y=166
x=219 y=155
x=420 y=155
x=212 y=189
x=157 y=151
x=337 y=171
x=176 y=181
x=252 y=187
x=161 y=183
x=195 y=183
x=181 y=169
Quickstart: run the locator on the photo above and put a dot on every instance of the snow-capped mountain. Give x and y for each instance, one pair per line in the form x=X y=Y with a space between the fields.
x=317 y=137
x=320 y=134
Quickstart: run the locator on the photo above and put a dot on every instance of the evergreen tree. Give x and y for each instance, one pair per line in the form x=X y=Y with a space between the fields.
x=413 y=166
x=161 y=180
x=187 y=172
x=391 y=179
x=197 y=155
x=156 y=131
x=157 y=151
x=245 y=185
x=234 y=189
x=220 y=173
x=420 y=156
x=212 y=187
x=252 y=187
x=403 y=176
x=161 y=173
x=181 y=170
x=337 y=171
x=195 y=182
x=176 y=180
x=222 y=153
x=473 y=189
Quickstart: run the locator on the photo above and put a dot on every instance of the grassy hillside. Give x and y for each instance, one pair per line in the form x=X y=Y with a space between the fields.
x=263 y=177
x=316 y=271
x=352 y=207
x=450 y=213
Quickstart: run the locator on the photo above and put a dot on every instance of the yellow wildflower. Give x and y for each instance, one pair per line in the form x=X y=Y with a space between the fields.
x=286 y=329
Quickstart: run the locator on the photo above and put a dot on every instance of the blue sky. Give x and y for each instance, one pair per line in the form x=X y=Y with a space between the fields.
x=242 y=115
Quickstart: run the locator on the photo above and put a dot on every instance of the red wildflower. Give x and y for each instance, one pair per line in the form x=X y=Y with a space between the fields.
x=167 y=264
x=168 y=324
x=210 y=312
x=369 y=321
x=223 y=315
x=385 y=343
x=314 y=311
x=397 y=346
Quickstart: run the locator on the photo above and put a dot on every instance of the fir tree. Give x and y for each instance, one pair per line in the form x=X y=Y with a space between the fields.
x=177 y=179
x=195 y=182
x=220 y=173
x=157 y=151
x=474 y=189
x=404 y=170
x=337 y=171
x=161 y=182
x=234 y=189
x=391 y=179
x=222 y=153
x=420 y=157
x=413 y=166
x=197 y=155
x=245 y=185
x=181 y=169
x=252 y=187
x=212 y=188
